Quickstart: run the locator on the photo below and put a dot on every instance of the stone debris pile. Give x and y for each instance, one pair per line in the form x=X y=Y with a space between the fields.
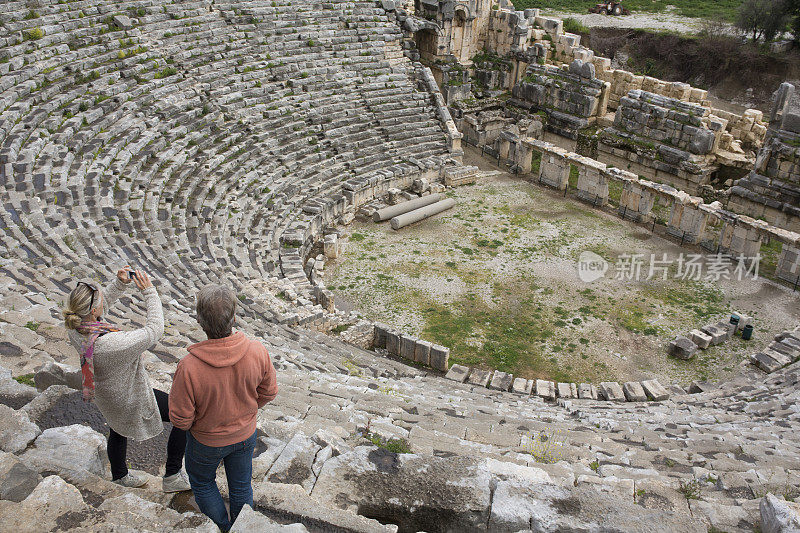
x=782 y=351
x=684 y=347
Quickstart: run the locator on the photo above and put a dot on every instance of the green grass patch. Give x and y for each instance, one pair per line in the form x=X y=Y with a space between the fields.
x=25 y=379
x=392 y=445
x=169 y=71
x=723 y=9
x=770 y=252
x=704 y=301
x=503 y=338
x=340 y=328
x=573 y=177
x=572 y=25
x=634 y=320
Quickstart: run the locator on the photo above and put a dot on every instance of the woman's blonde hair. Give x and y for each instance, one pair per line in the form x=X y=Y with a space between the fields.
x=78 y=306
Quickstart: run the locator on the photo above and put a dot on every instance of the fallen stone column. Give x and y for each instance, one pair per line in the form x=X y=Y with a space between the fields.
x=422 y=213
x=392 y=211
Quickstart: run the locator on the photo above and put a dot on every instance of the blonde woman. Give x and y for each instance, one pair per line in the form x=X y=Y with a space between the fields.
x=114 y=375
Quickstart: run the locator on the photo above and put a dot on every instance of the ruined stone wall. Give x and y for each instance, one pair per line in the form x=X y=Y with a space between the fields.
x=690 y=219
x=664 y=138
x=572 y=98
x=512 y=32
x=772 y=190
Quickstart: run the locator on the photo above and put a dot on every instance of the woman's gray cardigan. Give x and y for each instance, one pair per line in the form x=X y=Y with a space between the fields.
x=123 y=392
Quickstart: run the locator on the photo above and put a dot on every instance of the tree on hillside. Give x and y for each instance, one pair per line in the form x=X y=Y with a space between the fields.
x=793 y=10
x=764 y=18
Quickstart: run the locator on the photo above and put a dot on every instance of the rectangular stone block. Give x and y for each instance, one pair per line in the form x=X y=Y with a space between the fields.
x=379 y=335
x=545 y=389
x=718 y=336
x=654 y=390
x=393 y=342
x=765 y=362
x=611 y=391
x=682 y=348
x=522 y=386
x=727 y=327
x=564 y=390
x=479 y=377
x=422 y=352
x=407 y=343
x=458 y=373
x=702 y=340
x=587 y=391
x=634 y=391
x=781 y=358
x=782 y=348
x=501 y=381
x=440 y=357
x=791 y=344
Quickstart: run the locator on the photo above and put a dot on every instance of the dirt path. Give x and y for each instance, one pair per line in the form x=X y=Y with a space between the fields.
x=642 y=21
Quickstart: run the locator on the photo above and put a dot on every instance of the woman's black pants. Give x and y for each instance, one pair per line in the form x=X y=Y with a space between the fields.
x=176 y=445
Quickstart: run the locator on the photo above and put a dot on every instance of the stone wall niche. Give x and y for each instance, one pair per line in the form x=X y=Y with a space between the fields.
x=592 y=181
x=554 y=167
x=686 y=219
x=789 y=263
x=739 y=240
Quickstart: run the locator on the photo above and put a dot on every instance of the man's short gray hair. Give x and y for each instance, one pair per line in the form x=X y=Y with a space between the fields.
x=216 y=308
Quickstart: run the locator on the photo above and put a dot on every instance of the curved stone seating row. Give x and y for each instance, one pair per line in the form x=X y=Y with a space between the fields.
x=631 y=391
x=234 y=147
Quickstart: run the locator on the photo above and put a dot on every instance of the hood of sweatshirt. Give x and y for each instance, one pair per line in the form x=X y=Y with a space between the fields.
x=221 y=352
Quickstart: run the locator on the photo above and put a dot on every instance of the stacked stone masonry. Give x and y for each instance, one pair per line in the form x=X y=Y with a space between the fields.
x=521 y=52
x=573 y=97
x=772 y=189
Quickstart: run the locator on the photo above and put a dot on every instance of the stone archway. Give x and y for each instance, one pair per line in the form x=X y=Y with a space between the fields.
x=427 y=40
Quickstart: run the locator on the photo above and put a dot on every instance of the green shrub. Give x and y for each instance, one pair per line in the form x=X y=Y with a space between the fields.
x=25 y=379
x=691 y=490
x=572 y=25
x=392 y=445
x=32 y=34
x=169 y=71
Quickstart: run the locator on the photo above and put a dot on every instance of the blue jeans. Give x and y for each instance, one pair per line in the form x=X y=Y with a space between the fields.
x=201 y=466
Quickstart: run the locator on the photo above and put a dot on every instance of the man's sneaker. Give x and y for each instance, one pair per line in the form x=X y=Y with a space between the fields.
x=175 y=483
x=131 y=481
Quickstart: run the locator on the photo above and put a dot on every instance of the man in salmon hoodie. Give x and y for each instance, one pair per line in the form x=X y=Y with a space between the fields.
x=216 y=393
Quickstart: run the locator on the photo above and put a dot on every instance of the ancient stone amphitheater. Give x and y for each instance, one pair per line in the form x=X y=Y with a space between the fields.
x=216 y=141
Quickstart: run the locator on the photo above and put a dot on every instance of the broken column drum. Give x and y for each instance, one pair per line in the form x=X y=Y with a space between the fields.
x=422 y=213
x=392 y=211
